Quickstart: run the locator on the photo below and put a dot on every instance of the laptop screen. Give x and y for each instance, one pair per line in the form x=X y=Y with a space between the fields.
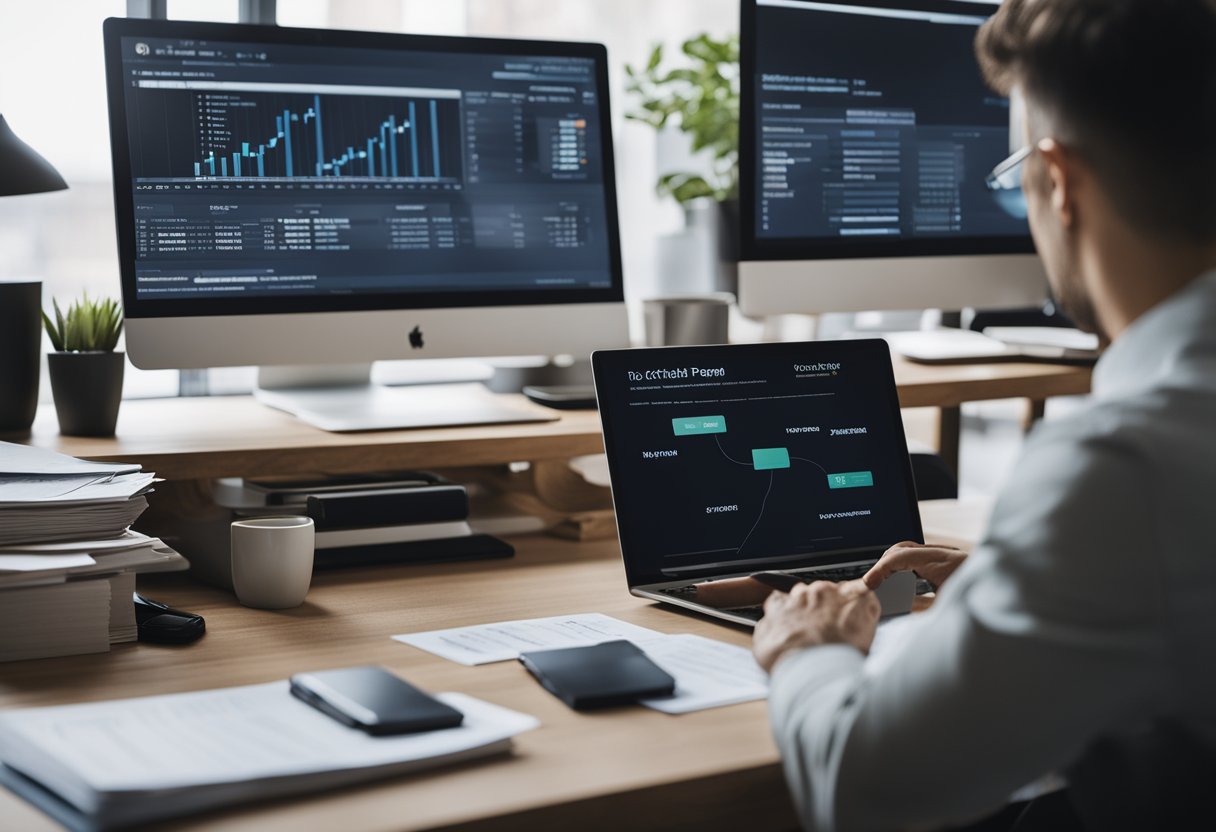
x=730 y=459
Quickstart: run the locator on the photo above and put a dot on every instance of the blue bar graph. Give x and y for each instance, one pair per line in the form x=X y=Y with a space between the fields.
x=316 y=106
x=295 y=148
x=287 y=140
x=435 y=135
x=392 y=131
x=413 y=140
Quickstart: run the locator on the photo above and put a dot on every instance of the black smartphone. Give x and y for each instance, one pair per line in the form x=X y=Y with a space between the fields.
x=373 y=700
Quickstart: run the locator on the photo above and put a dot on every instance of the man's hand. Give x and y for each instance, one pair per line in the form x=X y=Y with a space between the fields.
x=814 y=614
x=933 y=563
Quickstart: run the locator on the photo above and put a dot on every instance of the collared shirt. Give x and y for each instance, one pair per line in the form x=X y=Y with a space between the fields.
x=1084 y=621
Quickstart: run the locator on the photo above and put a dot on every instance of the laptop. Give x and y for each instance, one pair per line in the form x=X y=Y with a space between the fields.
x=729 y=461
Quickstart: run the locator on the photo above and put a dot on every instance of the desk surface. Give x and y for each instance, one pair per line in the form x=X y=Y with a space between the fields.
x=596 y=771
x=229 y=436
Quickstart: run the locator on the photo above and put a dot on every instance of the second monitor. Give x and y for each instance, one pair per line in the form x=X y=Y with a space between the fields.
x=865 y=139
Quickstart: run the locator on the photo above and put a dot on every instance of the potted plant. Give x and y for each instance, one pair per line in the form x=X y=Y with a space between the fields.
x=701 y=99
x=86 y=372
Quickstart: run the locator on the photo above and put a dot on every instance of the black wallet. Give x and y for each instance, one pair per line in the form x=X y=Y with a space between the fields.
x=612 y=673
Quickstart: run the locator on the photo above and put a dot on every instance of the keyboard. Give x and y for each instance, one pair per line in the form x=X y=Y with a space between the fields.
x=835 y=574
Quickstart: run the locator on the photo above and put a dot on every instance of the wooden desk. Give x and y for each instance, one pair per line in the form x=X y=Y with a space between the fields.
x=231 y=436
x=627 y=768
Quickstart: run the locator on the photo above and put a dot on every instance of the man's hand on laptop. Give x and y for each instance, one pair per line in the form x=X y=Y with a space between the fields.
x=813 y=614
x=932 y=563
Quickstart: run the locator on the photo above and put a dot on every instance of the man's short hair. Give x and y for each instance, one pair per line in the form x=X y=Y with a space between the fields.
x=1131 y=86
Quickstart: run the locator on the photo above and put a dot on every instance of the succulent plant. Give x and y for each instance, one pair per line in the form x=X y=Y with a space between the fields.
x=89 y=325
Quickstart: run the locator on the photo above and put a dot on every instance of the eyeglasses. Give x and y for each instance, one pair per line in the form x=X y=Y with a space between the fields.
x=1005 y=183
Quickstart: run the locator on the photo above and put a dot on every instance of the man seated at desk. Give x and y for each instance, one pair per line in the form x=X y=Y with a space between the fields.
x=1079 y=637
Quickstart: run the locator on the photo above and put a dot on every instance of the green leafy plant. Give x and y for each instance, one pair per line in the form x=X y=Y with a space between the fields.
x=701 y=99
x=89 y=326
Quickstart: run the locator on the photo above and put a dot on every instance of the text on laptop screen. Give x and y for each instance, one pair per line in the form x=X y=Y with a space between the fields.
x=724 y=458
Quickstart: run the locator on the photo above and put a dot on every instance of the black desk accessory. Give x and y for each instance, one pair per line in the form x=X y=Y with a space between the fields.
x=160 y=624
x=373 y=700
x=612 y=673
x=388 y=506
x=438 y=550
x=424 y=506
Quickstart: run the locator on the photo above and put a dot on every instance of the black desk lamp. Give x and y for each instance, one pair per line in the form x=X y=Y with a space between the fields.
x=22 y=171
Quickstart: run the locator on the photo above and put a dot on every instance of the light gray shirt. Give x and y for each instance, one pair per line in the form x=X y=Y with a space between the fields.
x=1085 y=618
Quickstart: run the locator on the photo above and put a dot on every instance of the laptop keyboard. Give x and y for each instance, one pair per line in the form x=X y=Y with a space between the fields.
x=835 y=574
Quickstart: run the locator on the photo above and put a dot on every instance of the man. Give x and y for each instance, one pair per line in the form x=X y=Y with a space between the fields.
x=1080 y=636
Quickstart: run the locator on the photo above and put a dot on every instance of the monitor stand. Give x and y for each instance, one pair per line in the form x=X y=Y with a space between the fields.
x=342 y=398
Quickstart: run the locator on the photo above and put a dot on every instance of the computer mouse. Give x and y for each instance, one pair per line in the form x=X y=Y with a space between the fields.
x=160 y=624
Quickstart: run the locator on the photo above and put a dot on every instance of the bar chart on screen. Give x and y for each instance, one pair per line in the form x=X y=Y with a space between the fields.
x=285 y=131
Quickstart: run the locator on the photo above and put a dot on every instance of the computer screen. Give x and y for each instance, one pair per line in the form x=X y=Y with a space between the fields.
x=753 y=456
x=868 y=130
x=262 y=171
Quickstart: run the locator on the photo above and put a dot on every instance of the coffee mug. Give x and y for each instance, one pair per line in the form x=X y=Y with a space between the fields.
x=272 y=561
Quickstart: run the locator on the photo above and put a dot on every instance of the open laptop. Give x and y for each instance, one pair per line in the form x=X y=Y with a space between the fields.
x=727 y=461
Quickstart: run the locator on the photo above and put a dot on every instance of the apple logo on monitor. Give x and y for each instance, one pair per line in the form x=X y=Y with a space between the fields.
x=416 y=338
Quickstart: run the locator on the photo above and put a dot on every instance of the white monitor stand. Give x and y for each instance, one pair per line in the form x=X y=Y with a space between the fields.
x=342 y=398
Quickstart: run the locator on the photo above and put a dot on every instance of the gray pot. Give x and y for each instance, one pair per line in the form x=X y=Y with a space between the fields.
x=20 y=351
x=88 y=391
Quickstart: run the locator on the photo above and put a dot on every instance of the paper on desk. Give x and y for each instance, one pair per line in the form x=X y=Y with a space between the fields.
x=505 y=640
x=24 y=459
x=230 y=735
x=708 y=673
x=127 y=540
x=24 y=489
x=36 y=563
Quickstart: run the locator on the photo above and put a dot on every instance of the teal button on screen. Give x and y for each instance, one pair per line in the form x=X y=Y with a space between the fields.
x=766 y=459
x=689 y=425
x=851 y=479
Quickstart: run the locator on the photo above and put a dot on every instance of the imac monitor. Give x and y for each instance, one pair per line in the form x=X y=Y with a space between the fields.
x=866 y=134
x=293 y=197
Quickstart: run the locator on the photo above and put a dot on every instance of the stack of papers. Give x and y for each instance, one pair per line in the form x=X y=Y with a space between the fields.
x=67 y=554
x=708 y=673
x=45 y=496
x=134 y=761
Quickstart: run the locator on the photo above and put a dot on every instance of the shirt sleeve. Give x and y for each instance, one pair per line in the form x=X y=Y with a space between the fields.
x=1046 y=638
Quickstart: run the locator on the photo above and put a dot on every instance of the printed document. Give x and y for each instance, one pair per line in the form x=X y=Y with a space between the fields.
x=505 y=640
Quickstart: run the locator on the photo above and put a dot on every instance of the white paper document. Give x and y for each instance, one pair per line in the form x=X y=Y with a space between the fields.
x=36 y=563
x=708 y=673
x=505 y=640
x=24 y=459
x=135 y=759
x=34 y=489
x=125 y=541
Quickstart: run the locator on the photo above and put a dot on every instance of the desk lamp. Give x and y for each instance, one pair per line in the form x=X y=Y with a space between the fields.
x=22 y=171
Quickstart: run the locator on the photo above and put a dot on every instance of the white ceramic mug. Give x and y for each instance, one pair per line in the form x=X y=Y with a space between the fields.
x=272 y=561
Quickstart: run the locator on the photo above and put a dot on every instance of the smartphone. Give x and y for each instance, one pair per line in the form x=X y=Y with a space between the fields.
x=373 y=700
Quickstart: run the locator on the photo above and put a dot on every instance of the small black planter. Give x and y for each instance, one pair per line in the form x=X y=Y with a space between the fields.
x=20 y=351
x=88 y=390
